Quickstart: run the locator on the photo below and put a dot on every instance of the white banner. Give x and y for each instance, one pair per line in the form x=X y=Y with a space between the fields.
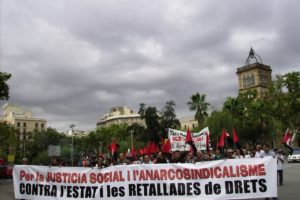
x=221 y=179
x=177 y=140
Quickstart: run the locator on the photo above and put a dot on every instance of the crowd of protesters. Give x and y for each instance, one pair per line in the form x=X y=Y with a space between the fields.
x=178 y=157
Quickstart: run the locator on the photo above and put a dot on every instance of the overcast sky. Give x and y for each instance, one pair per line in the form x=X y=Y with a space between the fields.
x=72 y=60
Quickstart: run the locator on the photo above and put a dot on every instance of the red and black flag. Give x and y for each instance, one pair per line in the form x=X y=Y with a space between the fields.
x=222 y=140
x=190 y=141
x=287 y=141
x=237 y=142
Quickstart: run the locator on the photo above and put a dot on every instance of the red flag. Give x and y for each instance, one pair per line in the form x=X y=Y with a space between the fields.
x=113 y=147
x=141 y=151
x=166 y=146
x=188 y=138
x=287 y=139
x=223 y=138
x=218 y=142
x=132 y=152
x=147 y=149
x=153 y=147
x=235 y=137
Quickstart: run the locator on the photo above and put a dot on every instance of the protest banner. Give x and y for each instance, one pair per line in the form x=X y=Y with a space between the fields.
x=177 y=140
x=221 y=179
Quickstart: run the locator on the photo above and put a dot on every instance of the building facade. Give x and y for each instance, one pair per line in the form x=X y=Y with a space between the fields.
x=22 y=120
x=120 y=115
x=188 y=122
x=254 y=75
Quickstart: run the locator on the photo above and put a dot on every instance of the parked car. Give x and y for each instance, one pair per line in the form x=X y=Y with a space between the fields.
x=295 y=157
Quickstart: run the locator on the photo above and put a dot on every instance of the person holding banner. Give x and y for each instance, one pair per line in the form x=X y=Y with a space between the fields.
x=218 y=155
x=267 y=152
x=100 y=162
x=160 y=158
x=259 y=151
x=178 y=157
x=122 y=160
x=238 y=154
x=146 y=160
x=190 y=158
x=199 y=157
x=229 y=154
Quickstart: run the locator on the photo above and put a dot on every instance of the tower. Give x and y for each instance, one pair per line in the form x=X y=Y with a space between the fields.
x=254 y=75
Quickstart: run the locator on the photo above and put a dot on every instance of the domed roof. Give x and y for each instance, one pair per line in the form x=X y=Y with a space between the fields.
x=253 y=58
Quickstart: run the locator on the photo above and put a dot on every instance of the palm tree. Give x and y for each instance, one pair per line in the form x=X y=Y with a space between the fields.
x=197 y=103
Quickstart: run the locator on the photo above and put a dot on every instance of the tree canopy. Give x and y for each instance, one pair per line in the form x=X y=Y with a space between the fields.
x=4 y=88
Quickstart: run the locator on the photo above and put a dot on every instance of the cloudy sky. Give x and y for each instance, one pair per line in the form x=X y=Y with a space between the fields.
x=72 y=60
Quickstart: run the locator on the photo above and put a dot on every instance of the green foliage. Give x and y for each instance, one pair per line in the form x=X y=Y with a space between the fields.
x=4 y=88
x=8 y=140
x=40 y=142
x=198 y=103
x=168 y=118
x=248 y=114
x=152 y=120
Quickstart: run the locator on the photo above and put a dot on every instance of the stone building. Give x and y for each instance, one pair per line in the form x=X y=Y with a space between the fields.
x=120 y=115
x=254 y=75
x=23 y=121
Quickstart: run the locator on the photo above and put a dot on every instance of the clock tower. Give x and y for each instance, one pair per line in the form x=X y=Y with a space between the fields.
x=254 y=75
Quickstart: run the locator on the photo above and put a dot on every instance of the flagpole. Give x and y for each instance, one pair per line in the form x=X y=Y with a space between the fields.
x=234 y=145
x=131 y=140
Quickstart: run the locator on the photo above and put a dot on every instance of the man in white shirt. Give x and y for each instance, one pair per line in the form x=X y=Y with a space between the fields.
x=280 y=161
x=259 y=151
x=267 y=152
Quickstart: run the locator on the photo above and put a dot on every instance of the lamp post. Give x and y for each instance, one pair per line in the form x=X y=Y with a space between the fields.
x=72 y=149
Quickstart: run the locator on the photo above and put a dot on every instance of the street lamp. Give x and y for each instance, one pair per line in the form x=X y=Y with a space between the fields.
x=72 y=150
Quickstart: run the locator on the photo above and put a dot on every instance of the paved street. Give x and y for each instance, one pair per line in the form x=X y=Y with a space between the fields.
x=289 y=191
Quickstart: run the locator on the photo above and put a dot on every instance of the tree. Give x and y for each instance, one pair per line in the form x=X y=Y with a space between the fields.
x=168 y=117
x=216 y=122
x=4 y=88
x=38 y=145
x=197 y=103
x=151 y=117
x=284 y=99
x=8 y=140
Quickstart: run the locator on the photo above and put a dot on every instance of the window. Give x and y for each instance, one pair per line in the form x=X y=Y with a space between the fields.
x=18 y=124
x=42 y=125
x=24 y=124
x=36 y=125
x=249 y=81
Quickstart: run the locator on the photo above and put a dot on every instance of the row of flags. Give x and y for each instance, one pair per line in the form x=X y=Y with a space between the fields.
x=152 y=147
